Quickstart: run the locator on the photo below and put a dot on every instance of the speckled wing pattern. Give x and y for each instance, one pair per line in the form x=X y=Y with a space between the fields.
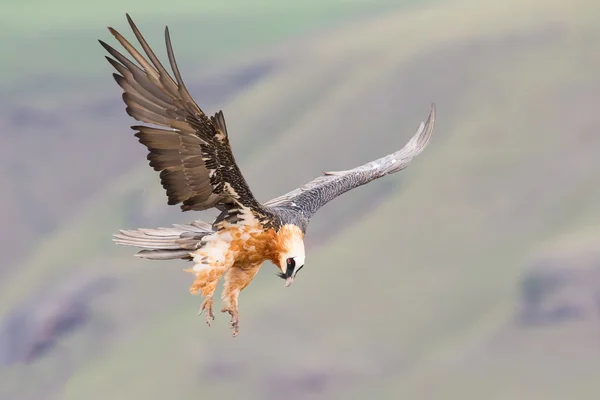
x=193 y=154
x=315 y=194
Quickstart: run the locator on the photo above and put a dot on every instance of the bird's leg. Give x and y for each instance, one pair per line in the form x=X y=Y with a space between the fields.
x=207 y=277
x=236 y=279
x=206 y=305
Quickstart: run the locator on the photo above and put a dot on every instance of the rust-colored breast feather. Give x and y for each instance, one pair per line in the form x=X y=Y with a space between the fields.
x=252 y=245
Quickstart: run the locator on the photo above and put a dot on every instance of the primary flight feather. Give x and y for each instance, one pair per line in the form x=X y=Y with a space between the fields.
x=198 y=171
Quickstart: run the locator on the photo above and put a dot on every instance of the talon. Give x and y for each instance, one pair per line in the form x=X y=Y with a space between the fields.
x=234 y=322
x=207 y=305
x=235 y=327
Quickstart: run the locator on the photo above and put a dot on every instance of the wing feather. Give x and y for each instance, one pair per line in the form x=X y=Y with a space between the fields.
x=315 y=194
x=191 y=150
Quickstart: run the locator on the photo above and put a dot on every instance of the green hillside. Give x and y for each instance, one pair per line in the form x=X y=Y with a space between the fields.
x=412 y=283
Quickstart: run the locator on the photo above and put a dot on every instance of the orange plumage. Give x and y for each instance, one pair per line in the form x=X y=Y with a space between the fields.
x=238 y=252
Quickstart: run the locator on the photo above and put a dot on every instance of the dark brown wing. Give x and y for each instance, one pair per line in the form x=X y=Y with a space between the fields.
x=193 y=154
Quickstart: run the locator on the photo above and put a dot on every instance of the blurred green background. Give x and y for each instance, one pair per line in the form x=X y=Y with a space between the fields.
x=473 y=274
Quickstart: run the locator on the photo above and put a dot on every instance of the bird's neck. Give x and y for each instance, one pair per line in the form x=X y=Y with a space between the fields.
x=288 y=238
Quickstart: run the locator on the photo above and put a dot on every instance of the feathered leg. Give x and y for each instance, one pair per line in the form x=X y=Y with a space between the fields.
x=212 y=260
x=207 y=277
x=236 y=279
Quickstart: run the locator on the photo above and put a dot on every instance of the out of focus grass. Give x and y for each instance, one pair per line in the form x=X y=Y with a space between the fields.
x=56 y=44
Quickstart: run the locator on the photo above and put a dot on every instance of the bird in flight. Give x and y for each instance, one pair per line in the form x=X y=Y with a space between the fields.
x=197 y=168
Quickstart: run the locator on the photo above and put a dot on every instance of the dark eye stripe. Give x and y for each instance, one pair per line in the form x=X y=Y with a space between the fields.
x=290 y=267
x=289 y=270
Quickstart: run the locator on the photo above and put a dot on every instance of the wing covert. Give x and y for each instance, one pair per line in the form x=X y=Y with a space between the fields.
x=315 y=194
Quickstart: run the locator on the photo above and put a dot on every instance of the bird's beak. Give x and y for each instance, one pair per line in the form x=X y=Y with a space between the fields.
x=288 y=281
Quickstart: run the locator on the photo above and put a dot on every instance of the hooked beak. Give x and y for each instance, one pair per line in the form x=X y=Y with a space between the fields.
x=288 y=281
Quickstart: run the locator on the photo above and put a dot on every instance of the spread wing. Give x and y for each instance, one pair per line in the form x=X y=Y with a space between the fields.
x=190 y=149
x=318 y=192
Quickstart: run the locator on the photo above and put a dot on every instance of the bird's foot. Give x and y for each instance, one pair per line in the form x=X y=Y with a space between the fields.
x=207 y=306
x=234 y=320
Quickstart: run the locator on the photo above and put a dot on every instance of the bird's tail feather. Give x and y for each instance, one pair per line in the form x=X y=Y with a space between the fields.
x=175 y=242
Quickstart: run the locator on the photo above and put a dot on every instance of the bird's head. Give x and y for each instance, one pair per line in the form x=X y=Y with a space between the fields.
x=290 y=258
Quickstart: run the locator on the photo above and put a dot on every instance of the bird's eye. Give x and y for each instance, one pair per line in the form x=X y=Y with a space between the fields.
x=289 y=270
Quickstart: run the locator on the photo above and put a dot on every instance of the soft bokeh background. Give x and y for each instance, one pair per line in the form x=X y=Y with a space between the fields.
x=473 y=274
